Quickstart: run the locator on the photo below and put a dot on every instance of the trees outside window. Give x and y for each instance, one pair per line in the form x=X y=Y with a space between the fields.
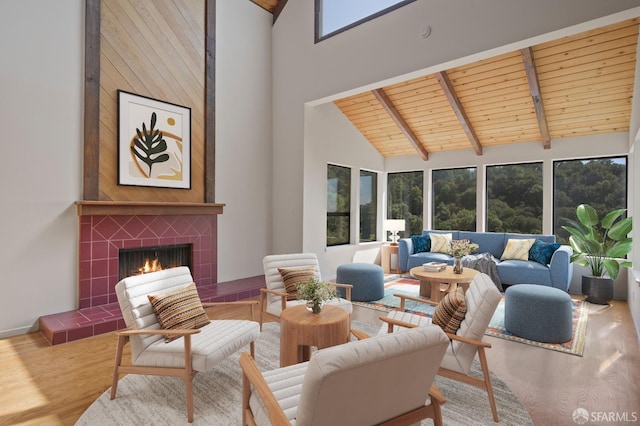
x=514 y=198
x=338 y=205
x=404 y=200
x=454 y=199
x=368 y=206
x=599 y=182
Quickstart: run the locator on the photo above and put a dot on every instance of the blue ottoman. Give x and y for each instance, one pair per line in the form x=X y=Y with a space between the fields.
x=367 y=280
x=538 y=312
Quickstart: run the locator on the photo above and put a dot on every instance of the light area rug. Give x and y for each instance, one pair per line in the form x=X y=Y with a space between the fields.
x=409 y=286
x=153 y=400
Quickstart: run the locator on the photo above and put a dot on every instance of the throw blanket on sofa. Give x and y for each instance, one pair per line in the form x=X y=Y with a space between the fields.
x=485 y=263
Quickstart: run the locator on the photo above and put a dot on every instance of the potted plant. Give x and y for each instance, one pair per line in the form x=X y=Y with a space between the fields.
x=597 y=245
x=316 y=292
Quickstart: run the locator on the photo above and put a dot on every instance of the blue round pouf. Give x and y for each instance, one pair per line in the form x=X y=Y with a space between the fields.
x=367 y=280
x=539 y=313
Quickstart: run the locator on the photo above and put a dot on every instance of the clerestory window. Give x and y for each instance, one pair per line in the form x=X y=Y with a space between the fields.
x=335 y=16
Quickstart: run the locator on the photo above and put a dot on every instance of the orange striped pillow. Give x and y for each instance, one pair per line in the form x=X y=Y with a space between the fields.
x=179 y=310
x=291 y=277
x=450 y=312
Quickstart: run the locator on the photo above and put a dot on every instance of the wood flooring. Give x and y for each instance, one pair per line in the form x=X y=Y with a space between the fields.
x=53 y=385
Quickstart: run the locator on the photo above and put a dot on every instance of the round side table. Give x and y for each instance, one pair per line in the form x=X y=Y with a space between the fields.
x=300 y=329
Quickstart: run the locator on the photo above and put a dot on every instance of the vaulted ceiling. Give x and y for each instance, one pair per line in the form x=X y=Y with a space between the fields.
x=578 y=85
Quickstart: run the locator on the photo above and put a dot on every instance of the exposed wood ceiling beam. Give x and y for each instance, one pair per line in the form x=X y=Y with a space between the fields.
x=534 y=87
x=450 y=93
x=393 y=112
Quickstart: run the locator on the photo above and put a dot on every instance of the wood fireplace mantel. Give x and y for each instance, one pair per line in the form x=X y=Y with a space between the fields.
x=141 y=208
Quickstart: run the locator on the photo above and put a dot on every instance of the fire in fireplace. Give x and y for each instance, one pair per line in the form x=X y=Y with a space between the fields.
x=136 y=261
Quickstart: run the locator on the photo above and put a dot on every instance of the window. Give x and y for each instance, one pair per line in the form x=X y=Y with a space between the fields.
x=454 y=199
x=404 y=200
x=599 y=182
x=368 y=206
x=338 y=205
x=336 y=16
x=514 y=198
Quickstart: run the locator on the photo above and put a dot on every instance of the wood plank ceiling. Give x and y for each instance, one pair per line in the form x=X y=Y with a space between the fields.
x=575 y=86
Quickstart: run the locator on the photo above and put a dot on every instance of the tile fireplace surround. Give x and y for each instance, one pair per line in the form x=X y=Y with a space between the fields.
x=101 y=236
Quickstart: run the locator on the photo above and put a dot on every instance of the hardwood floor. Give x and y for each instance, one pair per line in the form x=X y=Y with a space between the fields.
x=53 y=385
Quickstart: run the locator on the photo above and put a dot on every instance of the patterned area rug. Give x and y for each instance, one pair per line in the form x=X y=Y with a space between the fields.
x=154 y=400
x=396 y=284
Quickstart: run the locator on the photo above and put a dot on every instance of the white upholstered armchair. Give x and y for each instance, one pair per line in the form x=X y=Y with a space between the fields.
x=192 y=350
x=273 y=299
x=481 y=299
x=386 y=380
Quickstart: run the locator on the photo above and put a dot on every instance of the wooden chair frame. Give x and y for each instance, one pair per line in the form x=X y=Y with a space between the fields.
x=252 y=378
x=187 y=373
x=484 y=383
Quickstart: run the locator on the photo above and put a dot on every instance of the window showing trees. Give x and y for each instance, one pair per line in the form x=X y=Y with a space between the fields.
x=404 y=200
x=335 y=16
x=454 y=199
x=338 y=205
x=599 y=182
x=514 y=198
x=368 y=206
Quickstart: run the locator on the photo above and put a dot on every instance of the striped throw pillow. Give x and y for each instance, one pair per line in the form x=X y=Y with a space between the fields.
x=179 y=310
x=291 y=277
x=440 y=243
x=450 y=312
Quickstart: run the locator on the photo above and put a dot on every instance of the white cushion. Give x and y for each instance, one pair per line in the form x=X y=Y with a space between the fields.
x=275 y=308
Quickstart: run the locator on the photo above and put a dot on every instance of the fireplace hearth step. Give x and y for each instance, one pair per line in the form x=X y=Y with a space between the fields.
x=68 y=326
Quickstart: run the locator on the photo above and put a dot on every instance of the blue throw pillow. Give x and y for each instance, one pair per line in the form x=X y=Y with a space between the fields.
x=421 y=243
x=541 y=252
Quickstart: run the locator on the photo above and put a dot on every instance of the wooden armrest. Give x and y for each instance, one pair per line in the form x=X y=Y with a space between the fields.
x=475 y=342
x=275 y=292
x=177 y=332
x=360 y=335
x=343 y=285
x=252 y=374
x=436 y=395
x=393 y=321
x=404 y=297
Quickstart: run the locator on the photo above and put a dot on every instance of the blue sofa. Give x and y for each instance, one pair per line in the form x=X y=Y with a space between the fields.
x=556 y=274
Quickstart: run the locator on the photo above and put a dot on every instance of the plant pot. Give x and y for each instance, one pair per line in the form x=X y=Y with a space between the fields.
x=457 y=265
x=597 y=289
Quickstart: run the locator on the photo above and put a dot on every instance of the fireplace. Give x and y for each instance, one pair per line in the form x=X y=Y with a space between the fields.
x=136 y=261
x=104 y=237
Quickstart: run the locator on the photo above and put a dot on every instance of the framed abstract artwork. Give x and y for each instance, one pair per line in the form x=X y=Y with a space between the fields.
x=154 y=142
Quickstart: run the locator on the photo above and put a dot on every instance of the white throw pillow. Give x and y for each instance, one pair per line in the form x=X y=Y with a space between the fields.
x=441 y=243
x=517 y=249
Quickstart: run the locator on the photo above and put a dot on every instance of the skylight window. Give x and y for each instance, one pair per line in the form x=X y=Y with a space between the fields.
x=335 y=16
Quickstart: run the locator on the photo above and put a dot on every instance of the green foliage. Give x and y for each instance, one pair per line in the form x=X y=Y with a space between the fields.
x=317 y=291
x=597 y=244
x=150 y=146
x=514 y=198
x=600 y=182
x=454 y=199
x=338 y=205
x=404 y=200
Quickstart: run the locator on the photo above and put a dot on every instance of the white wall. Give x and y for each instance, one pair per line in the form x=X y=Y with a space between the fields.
x=331 y=138
x=41 y=46
x=243 y=137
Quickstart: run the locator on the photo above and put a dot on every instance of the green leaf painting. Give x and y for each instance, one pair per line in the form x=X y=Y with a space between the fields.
x=149 y=145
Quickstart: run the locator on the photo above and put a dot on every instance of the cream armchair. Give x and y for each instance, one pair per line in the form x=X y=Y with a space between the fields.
x=195 y=350
x=273 y=299
x=386 y=380
x=482 y=299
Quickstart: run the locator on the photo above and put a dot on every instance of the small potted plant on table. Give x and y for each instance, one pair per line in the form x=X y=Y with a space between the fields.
x=597 y=245
x=316 y=292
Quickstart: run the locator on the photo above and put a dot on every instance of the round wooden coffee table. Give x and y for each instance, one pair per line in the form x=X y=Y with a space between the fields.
x=300 y=329
x=430 y=281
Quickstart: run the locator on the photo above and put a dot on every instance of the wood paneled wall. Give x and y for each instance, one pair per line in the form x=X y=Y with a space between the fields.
x=154 y=49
